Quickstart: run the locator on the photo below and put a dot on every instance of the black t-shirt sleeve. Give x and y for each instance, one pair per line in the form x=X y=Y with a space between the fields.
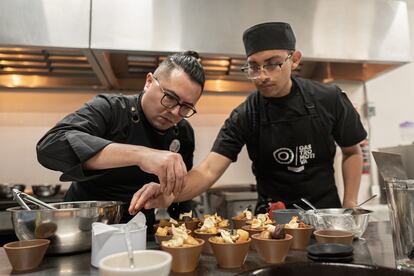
x=187 y=141
x=348 y=129
x=233 y=134
x=76 y=138
x=188 y=144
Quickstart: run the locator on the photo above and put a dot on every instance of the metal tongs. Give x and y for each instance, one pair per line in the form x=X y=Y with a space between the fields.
x=20 y=197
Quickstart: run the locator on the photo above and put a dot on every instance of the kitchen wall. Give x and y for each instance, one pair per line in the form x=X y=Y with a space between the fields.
x=392 y=96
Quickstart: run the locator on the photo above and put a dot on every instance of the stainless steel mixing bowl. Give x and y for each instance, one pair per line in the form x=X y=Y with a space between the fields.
x=6 y=189
x=334 y=218
x=69 y=227
x=45 y=190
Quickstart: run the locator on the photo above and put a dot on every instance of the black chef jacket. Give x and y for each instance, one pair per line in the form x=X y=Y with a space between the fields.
x=103 y=120
x=291 y=141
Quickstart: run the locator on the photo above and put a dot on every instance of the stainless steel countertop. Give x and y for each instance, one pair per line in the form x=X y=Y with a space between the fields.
x=375 y=248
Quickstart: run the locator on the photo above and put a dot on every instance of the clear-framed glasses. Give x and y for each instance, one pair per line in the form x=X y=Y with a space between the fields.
x=170 y=100
x=253 y=71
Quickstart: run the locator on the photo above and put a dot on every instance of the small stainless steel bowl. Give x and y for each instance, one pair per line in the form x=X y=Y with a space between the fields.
x=45 y=190
x=6 y=189
x=334 y=218
x=69 y=228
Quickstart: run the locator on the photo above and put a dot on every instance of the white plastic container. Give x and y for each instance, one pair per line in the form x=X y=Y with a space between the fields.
x=147 y=262
x=110 y=239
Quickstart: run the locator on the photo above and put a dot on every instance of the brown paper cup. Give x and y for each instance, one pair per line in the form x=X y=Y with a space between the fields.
x=238 y=223
x=230 y=255
x=334 y=236
x=272 y=251
x=159 y=238
x=252 y=231
x=207 y=247
x=301 y=237
x=191 y=225
x=26 y=255
x=185 y=259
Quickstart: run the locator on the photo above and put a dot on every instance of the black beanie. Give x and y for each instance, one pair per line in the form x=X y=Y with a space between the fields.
x=269 y=36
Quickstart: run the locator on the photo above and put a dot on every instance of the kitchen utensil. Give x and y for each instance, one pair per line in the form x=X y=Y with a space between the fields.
x=148 y=262
x=68 y=226
x=400 y=198
x=6 y=189
x=45 y=190
x=317 y=218
x=390 y=165
x=334 y=218
x=351 y=210
x=325 y=269
x=309 y=204
x=298 y=207
x=20 y=197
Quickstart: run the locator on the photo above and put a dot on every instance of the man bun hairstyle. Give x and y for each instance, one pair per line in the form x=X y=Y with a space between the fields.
x=188 y=61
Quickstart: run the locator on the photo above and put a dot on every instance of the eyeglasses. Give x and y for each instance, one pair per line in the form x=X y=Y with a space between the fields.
x=169 y=100
x=253 y=71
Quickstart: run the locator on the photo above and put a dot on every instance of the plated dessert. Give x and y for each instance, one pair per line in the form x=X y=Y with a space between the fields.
x=231 y=247
x=166 y=233
x=184 y=249
x=300 y=232
x=240 y=220
x=189 y=221
x=273 y=244
x=257 y=225
x=210 y=228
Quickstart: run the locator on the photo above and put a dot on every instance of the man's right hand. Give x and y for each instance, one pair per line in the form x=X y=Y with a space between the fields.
x=168 y=166
x=148 y=197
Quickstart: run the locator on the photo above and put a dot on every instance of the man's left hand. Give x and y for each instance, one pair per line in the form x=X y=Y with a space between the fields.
x=148 y=197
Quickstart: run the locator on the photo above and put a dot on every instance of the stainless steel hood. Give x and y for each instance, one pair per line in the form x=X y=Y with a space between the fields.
x=106 y=44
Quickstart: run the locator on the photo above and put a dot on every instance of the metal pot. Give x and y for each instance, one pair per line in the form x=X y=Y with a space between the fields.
x=6 y=190
x=69 y=227
x=45 y=190
x=334 y=218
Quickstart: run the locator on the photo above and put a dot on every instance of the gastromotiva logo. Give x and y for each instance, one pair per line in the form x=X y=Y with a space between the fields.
x=295 y=159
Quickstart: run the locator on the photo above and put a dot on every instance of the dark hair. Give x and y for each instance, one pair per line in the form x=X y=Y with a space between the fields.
x=188 y=61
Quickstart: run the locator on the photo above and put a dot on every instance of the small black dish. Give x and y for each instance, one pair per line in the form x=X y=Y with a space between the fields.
x=345 y=259
x=330 y=250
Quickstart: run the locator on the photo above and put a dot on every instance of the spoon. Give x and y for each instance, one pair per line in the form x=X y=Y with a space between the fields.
x=298 y=207
x=351 y=210
x=310 y=205
x=323 y=223
x=129 y=246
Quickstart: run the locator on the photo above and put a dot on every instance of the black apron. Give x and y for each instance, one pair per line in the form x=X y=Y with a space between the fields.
x=295 y=159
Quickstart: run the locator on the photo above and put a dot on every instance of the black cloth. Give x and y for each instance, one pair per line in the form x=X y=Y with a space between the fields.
x=291 y=141
x=268 y=36
x=103 y=120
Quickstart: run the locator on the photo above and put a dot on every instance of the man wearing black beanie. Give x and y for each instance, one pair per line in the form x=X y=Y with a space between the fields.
x=290 y=126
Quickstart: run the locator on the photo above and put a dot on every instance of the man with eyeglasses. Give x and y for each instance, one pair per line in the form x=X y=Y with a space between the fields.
x=290 y=126
x=115 y=144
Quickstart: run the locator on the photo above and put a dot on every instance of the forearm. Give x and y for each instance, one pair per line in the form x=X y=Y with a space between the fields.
x=203 y=176
x=351 y=172
x=116 y=155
